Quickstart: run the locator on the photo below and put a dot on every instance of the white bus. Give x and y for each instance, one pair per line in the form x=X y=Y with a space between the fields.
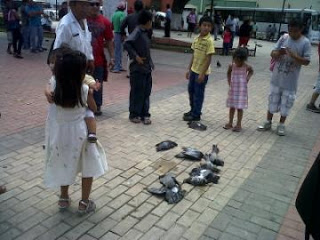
x=266 y=16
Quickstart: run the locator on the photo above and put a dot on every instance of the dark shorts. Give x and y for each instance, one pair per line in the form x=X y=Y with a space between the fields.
x=191 y=27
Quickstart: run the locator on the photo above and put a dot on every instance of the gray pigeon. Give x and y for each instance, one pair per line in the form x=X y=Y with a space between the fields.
x=171 y=189
x=190 y=154
x=201 y=177
x=165 y=145
x=213 y=156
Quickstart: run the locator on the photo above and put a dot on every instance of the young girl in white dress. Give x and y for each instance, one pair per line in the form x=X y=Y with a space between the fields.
x=67 y=150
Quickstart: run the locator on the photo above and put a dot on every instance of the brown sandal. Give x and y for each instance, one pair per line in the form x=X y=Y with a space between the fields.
x=227 y=126
x=237 y=129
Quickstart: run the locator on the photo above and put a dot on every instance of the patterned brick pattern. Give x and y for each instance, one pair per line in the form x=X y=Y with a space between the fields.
x=257 y=184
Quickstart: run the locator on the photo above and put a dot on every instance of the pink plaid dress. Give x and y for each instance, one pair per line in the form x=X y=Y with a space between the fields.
x=238 y=91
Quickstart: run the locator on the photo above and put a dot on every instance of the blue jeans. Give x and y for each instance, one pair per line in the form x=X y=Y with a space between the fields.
x=36 y=37
x=226 y=47
x=117 y=52
x=26 y=36
x=98 y=74
x=140 y=90
x=196 y=93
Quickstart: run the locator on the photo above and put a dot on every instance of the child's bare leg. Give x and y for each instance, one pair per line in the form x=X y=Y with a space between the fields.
x=283 y=119
x=64 y=191
x=239 y=120
x=269 y=116
x=86 y=205
x=231 y=116
x=64 y=201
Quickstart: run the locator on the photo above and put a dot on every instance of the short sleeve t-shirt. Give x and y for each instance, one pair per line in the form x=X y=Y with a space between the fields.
x=34 y=21
x=101 y=29
x=286 y=70
x=202 y=47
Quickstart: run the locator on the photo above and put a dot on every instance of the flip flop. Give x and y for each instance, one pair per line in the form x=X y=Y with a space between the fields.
x=237 y=129
x=227 y=126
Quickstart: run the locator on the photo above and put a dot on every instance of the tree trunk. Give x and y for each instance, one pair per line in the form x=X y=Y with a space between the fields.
x=178 y=5
x=176 y=21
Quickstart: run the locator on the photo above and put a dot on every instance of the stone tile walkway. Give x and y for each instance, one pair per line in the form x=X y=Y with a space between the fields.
x=258 y=183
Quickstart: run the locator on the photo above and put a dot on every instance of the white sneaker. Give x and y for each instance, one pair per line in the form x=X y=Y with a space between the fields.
x=281 y=129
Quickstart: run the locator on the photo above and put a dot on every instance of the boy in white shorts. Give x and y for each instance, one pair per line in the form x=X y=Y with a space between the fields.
x=290 y=54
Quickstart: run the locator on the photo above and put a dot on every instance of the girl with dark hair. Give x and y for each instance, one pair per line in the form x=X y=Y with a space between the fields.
x=239 y=74
x=67 y=150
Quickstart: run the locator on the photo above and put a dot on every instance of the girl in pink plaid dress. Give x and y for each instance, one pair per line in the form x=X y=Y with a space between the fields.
x=239 y=74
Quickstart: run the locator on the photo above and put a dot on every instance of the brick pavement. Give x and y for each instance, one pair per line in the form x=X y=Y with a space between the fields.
x=258 y=183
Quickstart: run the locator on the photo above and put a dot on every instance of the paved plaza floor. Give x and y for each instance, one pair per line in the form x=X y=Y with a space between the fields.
x=253 y=200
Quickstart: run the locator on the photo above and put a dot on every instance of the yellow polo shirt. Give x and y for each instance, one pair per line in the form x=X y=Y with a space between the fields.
x=201 y=46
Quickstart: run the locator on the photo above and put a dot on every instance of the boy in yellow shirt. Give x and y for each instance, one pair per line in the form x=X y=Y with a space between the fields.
x=199 y=69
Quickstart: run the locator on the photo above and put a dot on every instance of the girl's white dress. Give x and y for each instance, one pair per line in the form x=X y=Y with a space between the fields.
x=67 y=150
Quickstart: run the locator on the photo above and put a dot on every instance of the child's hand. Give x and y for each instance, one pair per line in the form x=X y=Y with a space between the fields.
x=201 y=78
x=97 y=86
x=188 y=75
x=139 y=60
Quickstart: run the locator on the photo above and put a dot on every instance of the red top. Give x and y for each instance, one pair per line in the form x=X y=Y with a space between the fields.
x=227 y=37
x=101 y=30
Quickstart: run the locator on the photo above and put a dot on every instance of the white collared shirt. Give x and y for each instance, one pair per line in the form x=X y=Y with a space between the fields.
x=70 y=32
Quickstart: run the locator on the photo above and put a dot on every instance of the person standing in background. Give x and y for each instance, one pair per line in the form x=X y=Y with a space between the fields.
x=34 y=11
x=192 y=22
x=217 y=25
x=64 y=10
x=102 y=36
x=117 y=19
x=25 y=30
x=167 y=26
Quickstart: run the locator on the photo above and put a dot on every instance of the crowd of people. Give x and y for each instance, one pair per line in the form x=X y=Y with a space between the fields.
x=24 y=27
x=79 y=68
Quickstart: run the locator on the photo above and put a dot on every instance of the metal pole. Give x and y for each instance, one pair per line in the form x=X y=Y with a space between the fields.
x=211 y=8
x=281 y=19
x=56 y=10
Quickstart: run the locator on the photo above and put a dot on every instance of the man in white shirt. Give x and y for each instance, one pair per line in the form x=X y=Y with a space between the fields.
x=73 y=30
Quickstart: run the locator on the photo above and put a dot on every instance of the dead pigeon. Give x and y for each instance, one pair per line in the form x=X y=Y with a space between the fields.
x=218 y=64
x=213 y=156
x=165 y=145
x=190 y=154
x=197 y=125
x=209 y=165
x=201 y=177
x=171 y=189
